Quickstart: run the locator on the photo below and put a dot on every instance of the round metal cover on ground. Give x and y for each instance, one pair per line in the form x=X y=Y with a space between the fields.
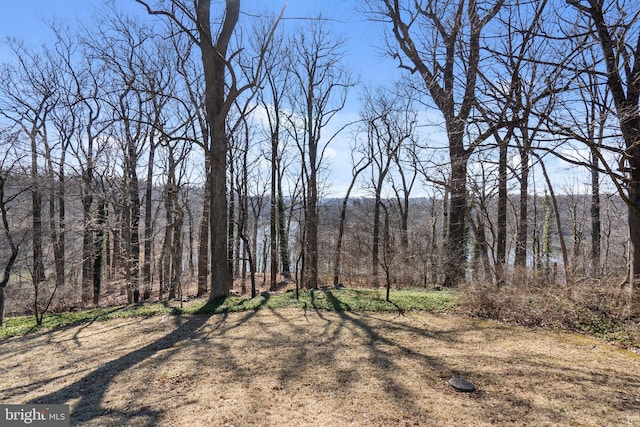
x=459 y=384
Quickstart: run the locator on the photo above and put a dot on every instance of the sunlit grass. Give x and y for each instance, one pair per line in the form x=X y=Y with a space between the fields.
x=341 y=300
x=333 y=300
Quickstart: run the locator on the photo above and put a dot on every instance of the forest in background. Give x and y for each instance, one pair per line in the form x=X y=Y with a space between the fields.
x=146 y=159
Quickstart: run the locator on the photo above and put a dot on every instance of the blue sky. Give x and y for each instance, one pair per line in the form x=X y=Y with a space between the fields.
x=26 y=20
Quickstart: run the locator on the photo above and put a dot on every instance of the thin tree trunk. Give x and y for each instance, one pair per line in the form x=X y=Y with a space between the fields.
x=595 y=217
x=12 y=245
x=231 y=223
x=38 y=276
x=556 y=210
x=87 y=239
x=481 y=246
x=387 y=253
x=134 y=242
x=375 y=243
x=283 y=233
x=343 y=215
x=191 y=238
x=99 y=250
x=168 y=247
x=311 y=211
x=177 y=251
x=56 y=229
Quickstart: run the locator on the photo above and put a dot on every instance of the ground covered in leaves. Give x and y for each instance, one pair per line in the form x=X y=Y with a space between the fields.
x=314 y=367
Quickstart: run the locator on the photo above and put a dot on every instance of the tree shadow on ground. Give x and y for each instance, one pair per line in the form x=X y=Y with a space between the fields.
x=91 y=389
x=392 y=360
x=378 y=347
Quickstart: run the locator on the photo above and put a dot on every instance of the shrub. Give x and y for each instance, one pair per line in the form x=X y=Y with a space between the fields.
x=595 y=307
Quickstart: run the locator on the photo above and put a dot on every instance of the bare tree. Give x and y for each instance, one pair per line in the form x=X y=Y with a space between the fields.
x=124 y=58
x=615 y=29
x=358 y=166
x=159 y=85
x=390 y=121
x=519 y=94
x=320 y=85
x=6 y=167
x=272 y=99
x=83 y=83
x=190 y=73
x=29 y=96
x=219 y=99
x=441 y=41
x=407 y=171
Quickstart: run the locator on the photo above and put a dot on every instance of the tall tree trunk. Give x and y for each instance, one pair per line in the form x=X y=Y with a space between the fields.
x=246 y=249
x=214 y=65
x=311 y=228
x=520 y=258
x=99 y=246
x=117 y=230
x=556 y=211
x=12 y=245
x=56 y=229
x=501 y=244
x=231 y=222
x=166 y=282
x=176 y=253
x=87 y=192
x=87 y=240
x=595 y=217
x=203 y=242
x=273 y=211
x=148 y=229
x=457 y=231
x=38 y=275
x=375 y=243
x=343 y=215
x=481 y=247
x=387 y=253
x=133 y=244
x=191 y=265
x=283 y=232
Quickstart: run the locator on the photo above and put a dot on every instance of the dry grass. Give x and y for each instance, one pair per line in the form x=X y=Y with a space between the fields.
x=295 y=367
x=597 y=308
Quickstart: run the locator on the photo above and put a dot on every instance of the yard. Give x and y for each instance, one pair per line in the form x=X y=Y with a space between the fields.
x=315 y=367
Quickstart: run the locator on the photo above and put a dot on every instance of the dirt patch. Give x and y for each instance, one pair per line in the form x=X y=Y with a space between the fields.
x=294 y=367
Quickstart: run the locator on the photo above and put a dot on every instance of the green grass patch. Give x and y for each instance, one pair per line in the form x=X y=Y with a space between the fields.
x=21 y=325
x=333 y=300
x=340 y=300
x=626 y=334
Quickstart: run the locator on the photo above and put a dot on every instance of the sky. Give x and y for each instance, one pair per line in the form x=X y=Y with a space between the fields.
x=27 y=21
x=364 y=56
